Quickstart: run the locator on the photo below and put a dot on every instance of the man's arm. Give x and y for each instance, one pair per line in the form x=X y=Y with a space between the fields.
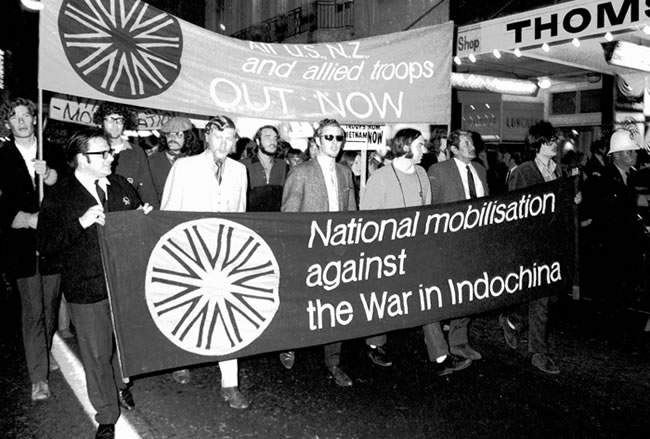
x=292 y=193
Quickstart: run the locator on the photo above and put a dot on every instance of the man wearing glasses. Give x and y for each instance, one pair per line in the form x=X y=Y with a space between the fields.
x=129 y=161
x=70 y=216
x=322 y=185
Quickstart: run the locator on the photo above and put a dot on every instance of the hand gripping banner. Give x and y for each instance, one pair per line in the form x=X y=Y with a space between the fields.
x=130 y=52
x=189 y=288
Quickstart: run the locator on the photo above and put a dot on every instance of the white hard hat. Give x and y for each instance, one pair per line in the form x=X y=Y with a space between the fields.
x=622 y=140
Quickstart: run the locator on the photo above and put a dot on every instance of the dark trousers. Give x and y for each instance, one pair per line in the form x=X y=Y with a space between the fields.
x=103 y=379
x=534 y=316
x=332 y=353
x=434 y=338
x=39 y=300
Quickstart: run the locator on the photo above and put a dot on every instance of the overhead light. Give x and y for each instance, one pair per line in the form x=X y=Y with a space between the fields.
x=520 y=87
x=487 y=106
x=629 y=55
x=544 y=82
x=545 y=47
x=222 y=27
x=472 y=58
x=517 y=52
x=646 y=29
x=457 y=60
x=34 y=5
x=575 y=42
x=609 y=36
x=496 y=53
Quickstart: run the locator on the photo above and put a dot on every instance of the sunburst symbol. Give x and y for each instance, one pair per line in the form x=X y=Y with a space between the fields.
x=124 y=48
x=212 y=286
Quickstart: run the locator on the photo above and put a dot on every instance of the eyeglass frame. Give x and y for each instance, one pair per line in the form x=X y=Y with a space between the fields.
x=105 y=153
x=116 y=120
x=338 y=137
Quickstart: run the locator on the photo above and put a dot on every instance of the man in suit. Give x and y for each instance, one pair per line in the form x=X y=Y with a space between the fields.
x=534 y=314
x=211 y=182
x=620 y=234
x=177 y=140
x=322 y=185
x=266 y=172
x=37 y=279
x=67 y=231
x=460 y=178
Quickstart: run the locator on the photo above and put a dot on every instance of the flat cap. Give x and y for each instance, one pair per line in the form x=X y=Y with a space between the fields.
x=176 y=125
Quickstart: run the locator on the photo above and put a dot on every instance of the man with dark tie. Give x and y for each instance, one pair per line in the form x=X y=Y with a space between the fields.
x=211 y=182
x=67 y=231
x=460 y=178
x=322 y=185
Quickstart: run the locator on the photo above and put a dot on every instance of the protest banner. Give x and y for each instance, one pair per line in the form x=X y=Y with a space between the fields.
x=190 y=288
x=130 y=52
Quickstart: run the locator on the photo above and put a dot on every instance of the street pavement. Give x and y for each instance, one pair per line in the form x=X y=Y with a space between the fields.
x=603 y=391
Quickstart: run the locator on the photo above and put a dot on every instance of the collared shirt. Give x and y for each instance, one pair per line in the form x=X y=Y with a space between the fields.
x=328 y=166
x=548 y=171
x=89 y=184
x=267 y=165
x=624 y=174
x=462 y=169
x=29 y=155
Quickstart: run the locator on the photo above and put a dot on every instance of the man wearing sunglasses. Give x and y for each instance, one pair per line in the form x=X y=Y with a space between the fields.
x=322 y=185
x=130 y=161
x=70 y=216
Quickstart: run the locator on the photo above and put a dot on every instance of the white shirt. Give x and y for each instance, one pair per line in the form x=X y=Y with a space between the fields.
x=29 y=155
x=328 y=166
x=462 y=169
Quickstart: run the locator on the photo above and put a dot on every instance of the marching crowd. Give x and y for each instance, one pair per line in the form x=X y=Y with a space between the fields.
x=51 y=246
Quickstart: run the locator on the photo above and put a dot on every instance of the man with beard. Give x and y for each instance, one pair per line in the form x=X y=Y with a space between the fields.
x=130 y=161
x=266 y=172
x=177 y=140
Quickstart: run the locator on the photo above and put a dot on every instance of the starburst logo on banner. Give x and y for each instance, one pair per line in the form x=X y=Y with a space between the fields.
x=124 y=48
x=212 y=286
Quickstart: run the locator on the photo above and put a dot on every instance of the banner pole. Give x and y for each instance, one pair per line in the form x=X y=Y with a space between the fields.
x=40 y=141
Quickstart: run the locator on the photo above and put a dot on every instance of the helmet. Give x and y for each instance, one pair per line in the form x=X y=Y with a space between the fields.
x=176 y=125
x=622 y=140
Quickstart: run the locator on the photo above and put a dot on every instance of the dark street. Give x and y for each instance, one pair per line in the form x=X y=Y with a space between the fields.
x=602 y=391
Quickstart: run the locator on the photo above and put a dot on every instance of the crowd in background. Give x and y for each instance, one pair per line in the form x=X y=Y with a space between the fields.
x=215 y=170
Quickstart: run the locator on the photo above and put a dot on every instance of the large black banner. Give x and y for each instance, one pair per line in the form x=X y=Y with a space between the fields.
x=190 y=288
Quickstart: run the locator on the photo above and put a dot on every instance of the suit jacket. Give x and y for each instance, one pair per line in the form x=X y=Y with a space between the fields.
x=61 y=236
x=305 y=190
x=19 y=193
x=446 y=183
x=193 y=187
x=528 y=174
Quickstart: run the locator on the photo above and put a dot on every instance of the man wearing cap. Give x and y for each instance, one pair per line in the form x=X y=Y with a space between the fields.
x=617 y=225
x=177 y=140
x=266 y=172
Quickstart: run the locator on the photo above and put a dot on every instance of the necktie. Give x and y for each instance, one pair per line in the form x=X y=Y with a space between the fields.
x=100 y=193
x=219 y=172
x=470 y=183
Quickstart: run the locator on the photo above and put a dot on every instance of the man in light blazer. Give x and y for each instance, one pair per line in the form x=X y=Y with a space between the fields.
x=322 y=185
x=459 y=178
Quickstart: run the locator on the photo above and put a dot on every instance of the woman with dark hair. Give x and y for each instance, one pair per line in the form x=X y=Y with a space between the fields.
x=403 y=183
x=353 y=160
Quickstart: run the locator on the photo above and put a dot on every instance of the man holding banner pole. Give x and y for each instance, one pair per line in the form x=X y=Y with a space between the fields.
x=211 y=182
x=322 y=185
x=459 y=178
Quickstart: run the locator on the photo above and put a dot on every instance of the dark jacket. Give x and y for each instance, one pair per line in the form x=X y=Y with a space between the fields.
x=18 y=193
x=61 y=236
